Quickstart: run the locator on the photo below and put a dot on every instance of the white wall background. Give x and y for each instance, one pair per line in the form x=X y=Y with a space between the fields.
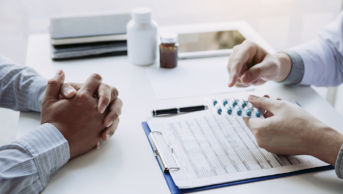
x=283 y=23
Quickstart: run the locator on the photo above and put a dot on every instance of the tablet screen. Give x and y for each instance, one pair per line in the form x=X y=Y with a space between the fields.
x=207 y=41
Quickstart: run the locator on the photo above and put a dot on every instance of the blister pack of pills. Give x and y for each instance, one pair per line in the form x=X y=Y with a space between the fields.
x=224 y=105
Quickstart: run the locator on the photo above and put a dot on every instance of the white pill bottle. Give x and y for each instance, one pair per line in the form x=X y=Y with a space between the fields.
x=141 y=37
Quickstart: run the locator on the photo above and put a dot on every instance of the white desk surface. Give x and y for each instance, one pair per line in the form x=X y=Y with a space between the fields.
x=126 y=163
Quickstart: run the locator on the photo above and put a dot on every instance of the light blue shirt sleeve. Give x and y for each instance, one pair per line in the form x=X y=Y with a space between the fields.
x=322 y=58
x=28 y=164
x=21 y=88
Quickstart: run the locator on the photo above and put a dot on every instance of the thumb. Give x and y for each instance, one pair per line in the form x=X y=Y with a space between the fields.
x=263 y=103
x=67 y=90
x=258 y=71
x=53 y=87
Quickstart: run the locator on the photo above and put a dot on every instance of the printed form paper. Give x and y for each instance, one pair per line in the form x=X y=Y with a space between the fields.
x=218 y=149
x=194 y=77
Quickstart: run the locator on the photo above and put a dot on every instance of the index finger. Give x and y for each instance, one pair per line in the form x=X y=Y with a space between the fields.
x=106 y=95
x=238 y=63
x=92 y=83
x=267 y=104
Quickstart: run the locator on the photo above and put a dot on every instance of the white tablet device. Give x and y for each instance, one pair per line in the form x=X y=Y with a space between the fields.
x=208 y=44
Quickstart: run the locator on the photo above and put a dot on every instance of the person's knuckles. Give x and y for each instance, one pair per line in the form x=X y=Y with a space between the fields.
x=54 y=82
x=115 y=92
x=114 y=115
x=76 y=86
x=111 y=129
x=255 y=72
x=105 y=100
x=96 y=76
x=249 y=45
x=114 y=126
x=236 y=63
x=106 y=86
x=83 y=96
x=88 y=104
x=120 y=102
x=246 y=77
x=278 y=105
x=258 y=101
x=235 y=48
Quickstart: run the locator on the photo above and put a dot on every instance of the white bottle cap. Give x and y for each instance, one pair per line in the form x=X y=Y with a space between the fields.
x=141 y=15
x=168 y=37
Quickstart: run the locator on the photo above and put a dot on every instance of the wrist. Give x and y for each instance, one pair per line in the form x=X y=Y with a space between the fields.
x=66 y=136
x=325 y=144
x=285 y=65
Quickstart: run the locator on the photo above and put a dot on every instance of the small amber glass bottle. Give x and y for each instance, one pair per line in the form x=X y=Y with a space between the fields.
x=168 y=50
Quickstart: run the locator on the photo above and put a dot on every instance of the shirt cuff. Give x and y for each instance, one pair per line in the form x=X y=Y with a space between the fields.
x=37 y=90
x=339 y=164
x=297 y=70
x=49 y=148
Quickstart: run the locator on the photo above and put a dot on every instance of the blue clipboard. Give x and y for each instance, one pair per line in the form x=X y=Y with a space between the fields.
x=174 y=190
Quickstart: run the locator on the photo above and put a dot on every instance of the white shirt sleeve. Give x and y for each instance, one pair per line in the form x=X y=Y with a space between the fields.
x=323 y=57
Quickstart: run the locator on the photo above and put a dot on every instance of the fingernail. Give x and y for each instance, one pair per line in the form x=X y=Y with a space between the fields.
x=98 y=145
x=110 y=123
x=59 y=72
x=108 y=136
x=68 y=91
x=248 y=78
x=252 y=97
x=102 y=109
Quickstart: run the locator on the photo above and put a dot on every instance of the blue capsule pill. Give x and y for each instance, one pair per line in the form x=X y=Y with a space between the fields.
x=224 y=102
x=229 y=110
x=219 y=111
x=258 y=113
x=214 y=102
x=239 y=111
x=243 y=104
x=234 y=103
x=248 y=112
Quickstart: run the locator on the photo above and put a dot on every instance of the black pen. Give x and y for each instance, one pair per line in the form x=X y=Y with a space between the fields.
x=178 y=110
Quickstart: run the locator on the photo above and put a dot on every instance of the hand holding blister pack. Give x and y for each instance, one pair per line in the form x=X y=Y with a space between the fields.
x=224 y=105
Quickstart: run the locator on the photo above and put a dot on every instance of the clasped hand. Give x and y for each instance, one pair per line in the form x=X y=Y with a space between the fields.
x=83 y=113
